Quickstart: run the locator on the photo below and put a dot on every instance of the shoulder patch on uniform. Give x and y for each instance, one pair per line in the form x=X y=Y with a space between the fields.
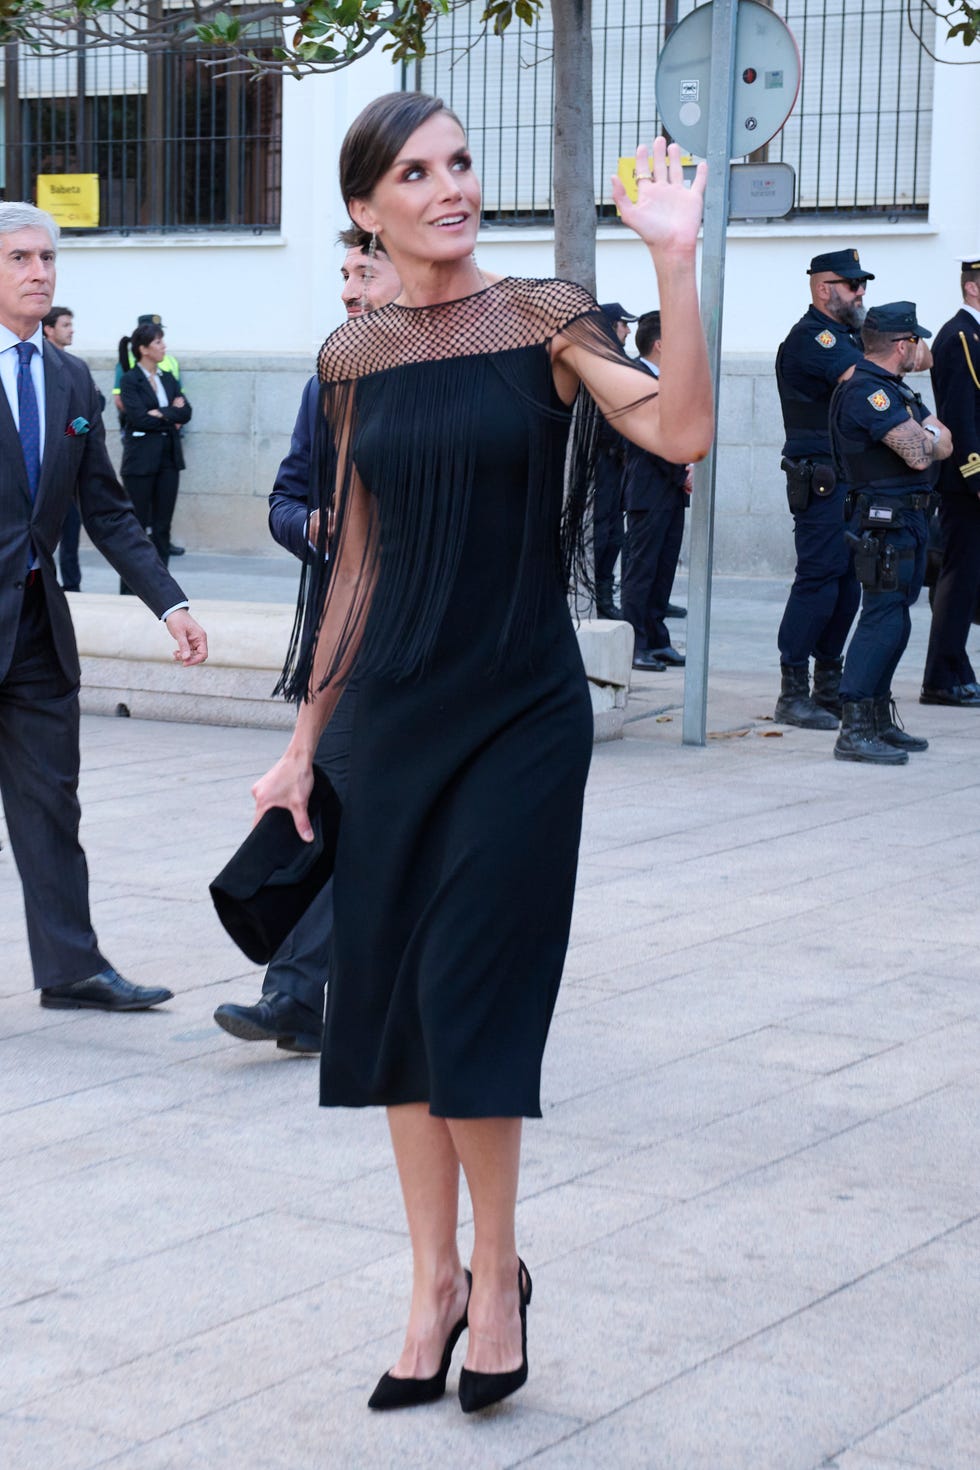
x=879 y=400
x=826 y=338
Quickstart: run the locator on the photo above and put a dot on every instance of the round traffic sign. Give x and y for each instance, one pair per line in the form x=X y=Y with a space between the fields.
x=767 y=79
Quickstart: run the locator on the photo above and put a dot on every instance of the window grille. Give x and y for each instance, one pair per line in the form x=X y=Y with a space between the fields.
x=859 y=137
x=177 y=144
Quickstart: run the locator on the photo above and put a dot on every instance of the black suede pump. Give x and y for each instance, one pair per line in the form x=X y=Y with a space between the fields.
x=406 y=1393
x=480 y=1390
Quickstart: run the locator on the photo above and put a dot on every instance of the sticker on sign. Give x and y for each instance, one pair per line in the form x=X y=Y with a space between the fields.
x=690 y=91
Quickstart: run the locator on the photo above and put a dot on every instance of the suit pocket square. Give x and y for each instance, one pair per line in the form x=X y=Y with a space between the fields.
x=77 y=427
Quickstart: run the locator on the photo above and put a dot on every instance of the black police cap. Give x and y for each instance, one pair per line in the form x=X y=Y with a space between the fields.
x=617 y=312
x=843 y=263
x=898 y=317
x=150 y=320
x=970 y=265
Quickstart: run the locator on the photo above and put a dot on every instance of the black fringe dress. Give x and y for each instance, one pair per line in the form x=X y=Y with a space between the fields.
x=473 y=733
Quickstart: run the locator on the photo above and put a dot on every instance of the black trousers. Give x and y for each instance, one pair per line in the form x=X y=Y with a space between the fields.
x=39 y=763
x=883 y=629
x=957 y=590
x=301 y=965
x=68 y=565
x=607 y=519
x=653 y=544
x=825 y=594
x=154 y=498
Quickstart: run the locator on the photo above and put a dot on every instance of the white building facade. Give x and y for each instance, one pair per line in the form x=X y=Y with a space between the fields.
x=231 y=238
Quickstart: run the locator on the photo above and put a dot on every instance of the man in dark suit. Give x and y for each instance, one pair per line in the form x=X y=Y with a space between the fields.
x=290 y=1009
x=949 y=676
x=655 y=496
x=52 y=448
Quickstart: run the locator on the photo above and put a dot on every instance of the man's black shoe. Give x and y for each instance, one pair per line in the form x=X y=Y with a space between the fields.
x=673 y=611
x=274 y=1017
x=176 y=550
x=960 y=695
x=609 y=611
x=649 y=661
x=107 y=991
x=669 y=656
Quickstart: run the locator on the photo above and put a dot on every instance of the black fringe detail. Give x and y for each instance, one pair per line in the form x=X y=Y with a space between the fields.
x=402 y=435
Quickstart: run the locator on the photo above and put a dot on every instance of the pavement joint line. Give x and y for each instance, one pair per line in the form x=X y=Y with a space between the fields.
x=770 y=1163
x=761 y=1332
x=828 y=1462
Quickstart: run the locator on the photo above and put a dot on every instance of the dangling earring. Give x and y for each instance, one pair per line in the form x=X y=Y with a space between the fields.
x=369 y=268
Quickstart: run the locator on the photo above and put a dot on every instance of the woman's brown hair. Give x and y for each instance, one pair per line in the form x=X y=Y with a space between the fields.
x=375 y=138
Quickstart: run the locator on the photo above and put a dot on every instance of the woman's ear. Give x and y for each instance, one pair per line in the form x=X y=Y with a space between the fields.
x=363 y=215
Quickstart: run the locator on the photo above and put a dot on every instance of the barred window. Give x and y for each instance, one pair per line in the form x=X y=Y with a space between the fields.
x=177 y=144
x=858 y=139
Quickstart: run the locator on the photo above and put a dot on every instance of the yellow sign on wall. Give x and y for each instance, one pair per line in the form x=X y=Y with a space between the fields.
x=73 y=199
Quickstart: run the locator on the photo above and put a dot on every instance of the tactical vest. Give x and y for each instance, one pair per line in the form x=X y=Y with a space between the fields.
x=874 y=466
x=799 y=412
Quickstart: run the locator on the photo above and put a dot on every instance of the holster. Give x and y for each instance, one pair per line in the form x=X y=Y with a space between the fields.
x=798 y=474
x=806 y=478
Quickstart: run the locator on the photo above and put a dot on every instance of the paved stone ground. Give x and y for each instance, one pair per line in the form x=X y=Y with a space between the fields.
x=751 y=1209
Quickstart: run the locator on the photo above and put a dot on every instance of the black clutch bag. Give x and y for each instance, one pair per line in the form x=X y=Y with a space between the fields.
x=266 y=888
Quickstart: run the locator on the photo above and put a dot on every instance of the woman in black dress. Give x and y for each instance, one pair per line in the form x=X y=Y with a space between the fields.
x=154 y=408
x=449 y=417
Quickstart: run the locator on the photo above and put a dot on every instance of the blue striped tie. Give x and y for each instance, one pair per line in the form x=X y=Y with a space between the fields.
x=30 y=423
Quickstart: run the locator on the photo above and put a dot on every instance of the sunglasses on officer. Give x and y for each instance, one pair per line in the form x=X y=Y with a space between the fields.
x=852 y=285
x=913 y=340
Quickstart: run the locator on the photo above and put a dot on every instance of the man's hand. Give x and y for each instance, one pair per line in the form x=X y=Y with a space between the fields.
x=154 y=413
x=191 y=639
x=944 y=444
x=313 y=527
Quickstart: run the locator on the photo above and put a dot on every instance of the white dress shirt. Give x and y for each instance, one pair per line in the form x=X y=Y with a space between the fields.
x=156 y=383
x=9 y=363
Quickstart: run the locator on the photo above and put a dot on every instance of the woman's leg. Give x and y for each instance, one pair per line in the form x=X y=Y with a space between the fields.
x=428 y=1168
x=489 y=1150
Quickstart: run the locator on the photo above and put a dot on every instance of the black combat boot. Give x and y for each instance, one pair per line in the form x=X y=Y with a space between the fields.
x=889 y=728
x=826 y=685
x=605 y=603
x=857 y=740
x=794 y=705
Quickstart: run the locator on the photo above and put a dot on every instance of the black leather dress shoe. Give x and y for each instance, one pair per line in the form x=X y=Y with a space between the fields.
x=177 y=550
x=274 y=1017
x=646 y=660
x=673 y=611
x=960 y=695
x=669 y=656
x=107 y=991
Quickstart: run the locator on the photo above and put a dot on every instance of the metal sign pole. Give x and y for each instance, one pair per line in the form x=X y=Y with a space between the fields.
x=722 y=85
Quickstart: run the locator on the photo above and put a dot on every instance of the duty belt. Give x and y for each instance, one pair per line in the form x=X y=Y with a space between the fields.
x=910 y=500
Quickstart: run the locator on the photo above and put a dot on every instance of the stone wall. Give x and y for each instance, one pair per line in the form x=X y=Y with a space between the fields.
x=244 y=410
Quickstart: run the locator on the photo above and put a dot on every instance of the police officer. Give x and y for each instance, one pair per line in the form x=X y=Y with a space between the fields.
x=821 y=349
x=885 y=444
x=607 y=518
x=949 y=676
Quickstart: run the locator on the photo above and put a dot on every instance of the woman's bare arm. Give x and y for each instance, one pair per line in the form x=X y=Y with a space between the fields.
x=677 y=424
x=289 y=782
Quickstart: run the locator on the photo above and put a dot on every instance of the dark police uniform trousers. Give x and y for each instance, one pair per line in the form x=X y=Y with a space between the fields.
x=956 y=383
x=825 y=594
x=653 y=492
x=607 y=515
x=891 y=503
